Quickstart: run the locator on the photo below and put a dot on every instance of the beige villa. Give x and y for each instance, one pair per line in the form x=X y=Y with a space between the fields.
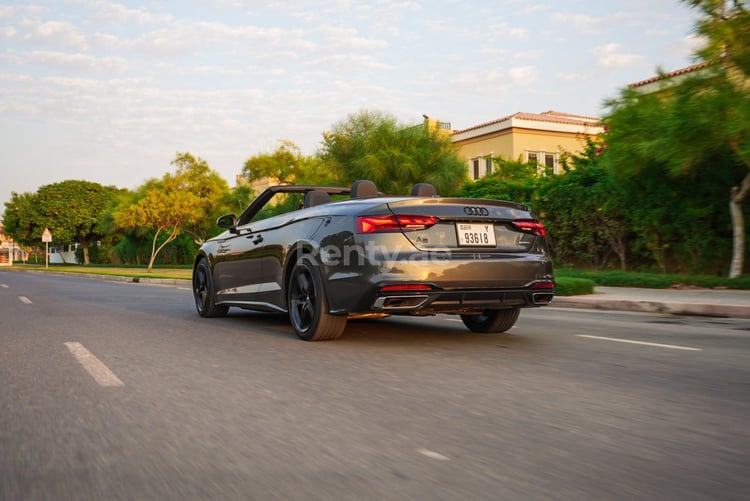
x=530 y=137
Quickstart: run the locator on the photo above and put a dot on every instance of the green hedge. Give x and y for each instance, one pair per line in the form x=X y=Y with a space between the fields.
x=616 y=278
x=569 y=286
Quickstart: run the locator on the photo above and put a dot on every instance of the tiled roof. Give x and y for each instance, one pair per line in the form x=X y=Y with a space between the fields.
x=547 y=116
x=681 y=71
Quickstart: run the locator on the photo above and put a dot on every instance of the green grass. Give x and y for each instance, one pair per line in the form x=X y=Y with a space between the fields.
x=616 y=278
x=177 y=272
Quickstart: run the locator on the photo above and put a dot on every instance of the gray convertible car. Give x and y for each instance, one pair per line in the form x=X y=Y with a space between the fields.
x=343 y=253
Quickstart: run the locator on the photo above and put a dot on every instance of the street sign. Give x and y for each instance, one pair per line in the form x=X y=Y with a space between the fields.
x=46 y=238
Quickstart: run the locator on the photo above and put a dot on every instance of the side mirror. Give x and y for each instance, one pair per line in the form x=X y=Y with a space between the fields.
x=228 y=222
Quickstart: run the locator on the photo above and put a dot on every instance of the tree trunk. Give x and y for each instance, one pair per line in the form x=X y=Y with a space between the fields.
x=155 y=251
x=85 y=247
x=738 y=195
x=738 y=234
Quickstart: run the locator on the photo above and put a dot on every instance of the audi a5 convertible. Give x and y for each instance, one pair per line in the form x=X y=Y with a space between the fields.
x=342 y=253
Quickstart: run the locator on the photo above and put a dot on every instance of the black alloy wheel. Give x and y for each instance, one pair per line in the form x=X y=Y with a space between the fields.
x=308 y=308
x=204 y=293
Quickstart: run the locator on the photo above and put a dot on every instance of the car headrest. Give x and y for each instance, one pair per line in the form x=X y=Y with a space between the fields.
x=316 y=197
x=364 y=189
x=423 y=190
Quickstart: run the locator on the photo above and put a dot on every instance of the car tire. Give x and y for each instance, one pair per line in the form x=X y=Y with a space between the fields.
x=307 y=304
x=492 y=320
x=203 y=292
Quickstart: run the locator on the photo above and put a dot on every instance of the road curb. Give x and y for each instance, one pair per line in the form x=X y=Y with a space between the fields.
x=115 y=278
x=666 y=307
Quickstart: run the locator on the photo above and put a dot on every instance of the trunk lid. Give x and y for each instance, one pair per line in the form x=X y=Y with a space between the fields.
x=470 y=225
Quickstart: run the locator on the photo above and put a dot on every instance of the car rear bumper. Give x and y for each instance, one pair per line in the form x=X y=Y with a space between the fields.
x=446 y=285
x=440 y=301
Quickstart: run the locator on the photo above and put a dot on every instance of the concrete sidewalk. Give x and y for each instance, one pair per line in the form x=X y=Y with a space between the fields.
x=702 y=302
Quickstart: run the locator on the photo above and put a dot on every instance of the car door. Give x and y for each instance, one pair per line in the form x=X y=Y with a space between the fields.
x=238 y=266
x=278 y=240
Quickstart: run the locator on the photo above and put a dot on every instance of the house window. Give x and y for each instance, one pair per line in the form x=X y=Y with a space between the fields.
x=475 y=167
x=488 y=165
x=544 y=160
x=549 y=160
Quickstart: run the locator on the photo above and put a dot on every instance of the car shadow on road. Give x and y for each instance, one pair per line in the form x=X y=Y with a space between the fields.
x=443 y=331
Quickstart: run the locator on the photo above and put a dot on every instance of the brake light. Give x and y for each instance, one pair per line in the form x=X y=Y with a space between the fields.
x=530 y=226
x=405 y=287
x=543 y=285
x=385 y=224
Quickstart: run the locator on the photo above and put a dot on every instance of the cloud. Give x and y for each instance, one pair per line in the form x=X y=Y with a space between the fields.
x=6 y=12
x=77 y=62
x=492 y=51
x=12 y=77
x=694 y=42
x=119 y=14
x=607 y=57
x=526 y=55
x=531 y=9
x=101 y=41
x=351 y=62
x=520 y=34
x=524 y=74
x=347 y=39
x=185 y=37
x=577 y=22
x=7 y=32
x=484 y=83
x=54 y=33
x=410 y=6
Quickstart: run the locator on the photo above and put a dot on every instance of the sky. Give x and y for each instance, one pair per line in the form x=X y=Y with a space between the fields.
x=110 y=92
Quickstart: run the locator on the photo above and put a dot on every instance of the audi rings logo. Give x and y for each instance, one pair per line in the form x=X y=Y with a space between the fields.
x=476 y=211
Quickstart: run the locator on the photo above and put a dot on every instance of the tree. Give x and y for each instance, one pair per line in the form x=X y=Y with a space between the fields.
x=22 y=220
x=692 y=122
x=212 y=191
x=726 y=28
x=287 y=165
x=584 y=211
x=176 y=203
x=72 y=210
x=373 y=145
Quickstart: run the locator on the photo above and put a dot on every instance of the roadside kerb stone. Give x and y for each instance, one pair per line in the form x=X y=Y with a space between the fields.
x=708 y=303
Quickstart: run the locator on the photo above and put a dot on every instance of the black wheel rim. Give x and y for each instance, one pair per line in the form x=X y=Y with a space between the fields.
x=200 y=288
x=302 y=300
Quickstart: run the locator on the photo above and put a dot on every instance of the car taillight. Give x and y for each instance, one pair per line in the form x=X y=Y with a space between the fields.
x=405 y=288
x=543 y=285
x=530 y=226
x=382 y=224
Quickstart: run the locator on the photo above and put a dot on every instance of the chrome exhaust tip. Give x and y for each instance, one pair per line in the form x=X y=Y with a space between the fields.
x=542 y=297
x=399 y=302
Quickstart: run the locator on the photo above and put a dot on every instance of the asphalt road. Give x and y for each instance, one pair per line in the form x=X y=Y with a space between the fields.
x=120 y=391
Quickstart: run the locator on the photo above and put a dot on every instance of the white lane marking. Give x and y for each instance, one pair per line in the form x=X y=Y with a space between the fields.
x=4 y=286
x=94 y=366
x=433 y=455
x=24 y=299
x=644 y=343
